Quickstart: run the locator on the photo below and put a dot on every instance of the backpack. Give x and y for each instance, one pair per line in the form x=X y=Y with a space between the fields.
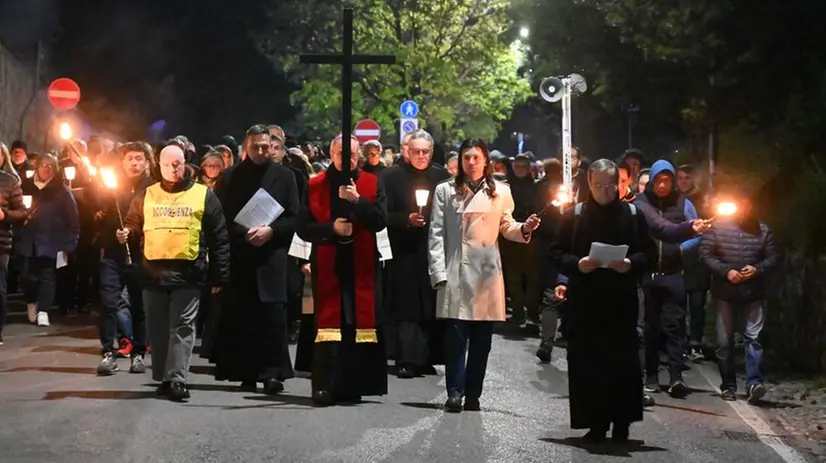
x=578 y=216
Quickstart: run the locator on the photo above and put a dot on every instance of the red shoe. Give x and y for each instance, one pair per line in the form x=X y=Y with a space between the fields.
x=125 y=348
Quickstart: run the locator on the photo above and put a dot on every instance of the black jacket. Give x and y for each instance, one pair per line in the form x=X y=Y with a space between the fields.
x=731 y=246
x=109 y=220
x=14 y=212
x=214 y=242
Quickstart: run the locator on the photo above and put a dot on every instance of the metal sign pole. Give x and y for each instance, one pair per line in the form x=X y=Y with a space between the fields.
x=566 y=136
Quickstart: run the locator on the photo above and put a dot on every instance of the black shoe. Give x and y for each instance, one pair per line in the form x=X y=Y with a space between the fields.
x=428 y=370
x=678 y=389
x=273 y=386
x=405 y=373
x=755 y=393
x=453 y=404
x=561 y=342
x=472 y=404
x=163 y=389
x=729 y=394
x=647 y=400
x=322 y=399
x=248 y=386
x=652 y=384
x=544 y=352
x=178 y=392
x=595 y=436
x=620 y=433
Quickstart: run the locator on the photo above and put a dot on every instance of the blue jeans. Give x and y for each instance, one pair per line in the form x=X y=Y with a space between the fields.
x=467 y=345
x=114 y=277
x=726 y=315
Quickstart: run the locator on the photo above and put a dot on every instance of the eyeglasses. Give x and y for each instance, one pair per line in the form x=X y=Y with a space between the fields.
x=608 y=187
x=424 y=152
x=213 y=166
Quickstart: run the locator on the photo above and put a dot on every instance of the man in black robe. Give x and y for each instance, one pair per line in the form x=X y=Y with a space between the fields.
x=340 y=217
x=251 y=343
x=412 y=300
x=604 y=371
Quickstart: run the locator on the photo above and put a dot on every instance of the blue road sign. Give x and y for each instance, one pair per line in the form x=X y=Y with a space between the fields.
x=409 y=109
x=409 y=126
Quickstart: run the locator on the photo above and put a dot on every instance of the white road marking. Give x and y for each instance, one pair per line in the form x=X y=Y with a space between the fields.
x=764 y=431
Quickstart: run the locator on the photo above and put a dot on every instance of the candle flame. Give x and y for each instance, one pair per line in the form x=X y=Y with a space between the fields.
x=108 y=177
x=726 y=209
x=27 y=201
x=421 y=197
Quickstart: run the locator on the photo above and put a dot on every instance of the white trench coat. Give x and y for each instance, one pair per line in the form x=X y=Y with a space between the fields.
x=464 y=251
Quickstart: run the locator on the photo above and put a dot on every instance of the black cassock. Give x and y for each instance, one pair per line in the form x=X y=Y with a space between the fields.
x=415 y=337
x=604 y=372
x=251 y=340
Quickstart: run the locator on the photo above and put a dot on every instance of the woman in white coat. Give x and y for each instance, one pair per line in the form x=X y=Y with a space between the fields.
x=469 y=213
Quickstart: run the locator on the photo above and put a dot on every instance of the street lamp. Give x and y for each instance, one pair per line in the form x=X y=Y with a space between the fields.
x=524 y=32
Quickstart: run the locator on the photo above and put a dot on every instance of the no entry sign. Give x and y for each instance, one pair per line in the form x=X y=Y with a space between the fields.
x=64 y=94
x=367 y=130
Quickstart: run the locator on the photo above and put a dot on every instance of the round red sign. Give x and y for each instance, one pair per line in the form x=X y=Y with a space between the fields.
x=64 y=94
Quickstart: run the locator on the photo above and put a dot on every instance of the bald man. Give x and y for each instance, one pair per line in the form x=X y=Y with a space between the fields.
x=340 y=217
x=178 y=223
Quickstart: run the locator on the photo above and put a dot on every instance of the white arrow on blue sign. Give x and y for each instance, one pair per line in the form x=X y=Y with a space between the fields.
x=409 y=109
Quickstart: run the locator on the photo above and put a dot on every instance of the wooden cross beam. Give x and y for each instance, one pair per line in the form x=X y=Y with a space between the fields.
x=346 y=59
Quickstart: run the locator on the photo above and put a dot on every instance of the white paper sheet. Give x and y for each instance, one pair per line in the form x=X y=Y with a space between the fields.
x=262 y=209
x=300 y=248
x=606 y=253
x=383 y=243
x=62 y=260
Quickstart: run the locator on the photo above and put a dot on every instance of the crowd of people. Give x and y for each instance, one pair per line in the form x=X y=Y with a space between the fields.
x=414 y=256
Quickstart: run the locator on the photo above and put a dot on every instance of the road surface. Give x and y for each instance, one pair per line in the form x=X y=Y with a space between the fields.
x=54 y=409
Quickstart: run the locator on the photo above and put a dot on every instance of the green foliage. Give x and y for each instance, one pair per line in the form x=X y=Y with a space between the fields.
x=454 y=60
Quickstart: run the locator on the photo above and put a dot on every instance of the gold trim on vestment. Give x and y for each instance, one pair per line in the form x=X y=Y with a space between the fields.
x=366 y=335
x=328 y=335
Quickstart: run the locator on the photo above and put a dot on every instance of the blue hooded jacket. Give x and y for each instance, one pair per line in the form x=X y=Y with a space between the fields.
x=673 y=207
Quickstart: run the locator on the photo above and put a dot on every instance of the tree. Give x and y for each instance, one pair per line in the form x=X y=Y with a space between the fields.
x=455 y=60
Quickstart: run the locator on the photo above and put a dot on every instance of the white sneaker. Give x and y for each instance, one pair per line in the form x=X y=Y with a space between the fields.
x=42 y=319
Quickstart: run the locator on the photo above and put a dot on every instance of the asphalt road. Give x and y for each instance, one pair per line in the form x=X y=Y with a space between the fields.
x=54 y=409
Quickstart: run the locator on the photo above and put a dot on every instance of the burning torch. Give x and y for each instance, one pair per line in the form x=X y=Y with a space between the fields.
x=110 y=181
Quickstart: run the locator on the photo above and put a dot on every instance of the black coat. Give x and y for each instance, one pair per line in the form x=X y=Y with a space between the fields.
x=265 y=265
x=731 y=246
x=14 y=212
x=107 y=202
x=411 y=297
x=604 y=373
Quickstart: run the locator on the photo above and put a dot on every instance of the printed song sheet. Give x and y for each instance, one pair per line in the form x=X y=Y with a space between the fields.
x=383 y=243
x=262 y=209
x=606 y=253
x=300 y=249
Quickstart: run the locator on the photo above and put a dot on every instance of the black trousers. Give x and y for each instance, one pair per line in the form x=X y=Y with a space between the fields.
x=664 y=312
x=39 y=283
x=4 y=303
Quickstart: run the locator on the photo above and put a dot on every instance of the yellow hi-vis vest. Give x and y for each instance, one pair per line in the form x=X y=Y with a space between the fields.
x=172 y=223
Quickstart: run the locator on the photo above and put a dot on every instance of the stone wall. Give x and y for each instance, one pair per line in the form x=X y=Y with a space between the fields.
x=24 y=111
x=795 y=328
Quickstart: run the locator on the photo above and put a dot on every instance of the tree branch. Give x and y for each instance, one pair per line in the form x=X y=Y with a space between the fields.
x=471 y=19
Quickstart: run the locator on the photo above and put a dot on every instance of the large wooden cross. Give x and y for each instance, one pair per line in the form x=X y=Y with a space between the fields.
x=346 y=59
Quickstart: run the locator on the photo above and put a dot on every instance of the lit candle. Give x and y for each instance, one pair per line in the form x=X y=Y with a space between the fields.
x=70 y=172
x=421 y=198
x=27 y=201
x=29 y=173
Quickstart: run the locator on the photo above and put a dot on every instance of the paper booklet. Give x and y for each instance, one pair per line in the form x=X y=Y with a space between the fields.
x=262 y=209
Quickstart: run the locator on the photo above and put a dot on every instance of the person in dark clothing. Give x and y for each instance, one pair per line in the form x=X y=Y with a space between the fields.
x=178 y=223
x=550 y=307
x=696 y=275
x=521 y=272
x=12 y=212
x=116 y=273
x=604 y=371
x=741 y=253
x=663 y=288
x=251 y=343
x=411 y=304
x=20 y=158
x=341 y=215
x=372 y=157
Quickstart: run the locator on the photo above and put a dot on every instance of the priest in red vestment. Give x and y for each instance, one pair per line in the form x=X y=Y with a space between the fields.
x=340 y=216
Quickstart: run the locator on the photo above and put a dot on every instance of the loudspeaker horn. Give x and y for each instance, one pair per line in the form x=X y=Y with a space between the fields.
x=551 y=89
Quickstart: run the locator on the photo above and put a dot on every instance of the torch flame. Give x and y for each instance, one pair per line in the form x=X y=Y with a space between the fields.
x=89 y=166
x=108 y=177
x=65 y=131
x=726 y=209
x=563 y=196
